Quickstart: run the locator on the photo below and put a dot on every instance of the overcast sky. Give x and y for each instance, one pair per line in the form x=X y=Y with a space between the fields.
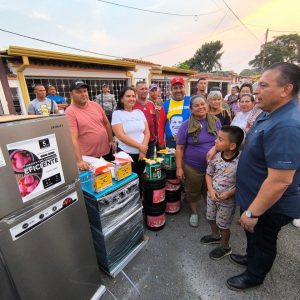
x=101 y=27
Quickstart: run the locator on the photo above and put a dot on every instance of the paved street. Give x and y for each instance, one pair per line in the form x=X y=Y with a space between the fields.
x=174 y=265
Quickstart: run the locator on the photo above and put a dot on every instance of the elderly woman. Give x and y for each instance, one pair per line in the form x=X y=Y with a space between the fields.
x=249 y=112
x=214 y=99
x=131 y=128
x=246 y=88
x=195 y=137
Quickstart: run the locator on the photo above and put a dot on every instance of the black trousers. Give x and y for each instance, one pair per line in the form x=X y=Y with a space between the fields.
x=138 y=167
x=262 y=244
x=151 y=149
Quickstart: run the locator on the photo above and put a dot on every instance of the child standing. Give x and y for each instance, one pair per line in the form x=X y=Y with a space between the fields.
x=220 y=179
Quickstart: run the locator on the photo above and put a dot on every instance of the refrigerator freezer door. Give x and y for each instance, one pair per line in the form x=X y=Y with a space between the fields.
x=48 y=249
x=36 y=157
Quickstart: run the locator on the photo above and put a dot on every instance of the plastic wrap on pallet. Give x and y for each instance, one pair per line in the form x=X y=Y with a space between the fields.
x=109 y=210
x=112 y=247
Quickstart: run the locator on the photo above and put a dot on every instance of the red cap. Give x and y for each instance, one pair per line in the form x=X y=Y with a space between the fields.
x=179 y=80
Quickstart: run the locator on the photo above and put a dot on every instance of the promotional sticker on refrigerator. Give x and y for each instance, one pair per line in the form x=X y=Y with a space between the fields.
x=37 y=166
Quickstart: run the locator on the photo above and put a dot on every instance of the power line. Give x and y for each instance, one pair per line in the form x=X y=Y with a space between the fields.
x=237 y=17
x=185 y=43
x=161 y=12
x=284 y=31
x=274 y=30
x=56 y=44
x=247 y=56
x=219 y=23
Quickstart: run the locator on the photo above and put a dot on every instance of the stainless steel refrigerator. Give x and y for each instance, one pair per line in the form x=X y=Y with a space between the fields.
x=46 y=249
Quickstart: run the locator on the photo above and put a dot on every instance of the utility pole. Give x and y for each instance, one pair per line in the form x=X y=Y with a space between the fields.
x=264 y=50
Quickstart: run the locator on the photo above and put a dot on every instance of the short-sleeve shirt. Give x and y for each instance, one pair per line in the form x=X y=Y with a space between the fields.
x=195 y=154
x=89 y=123
x=150 y=114
x=107 y=102
x=272 y=142
x=133 y=123
x=223 y=172
x=58 y=99
x=45 y=107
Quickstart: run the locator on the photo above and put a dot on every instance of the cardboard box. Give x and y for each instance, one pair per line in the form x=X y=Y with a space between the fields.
x=102 y=181
x=169 y=158
x=153 y=168
x=122 y=171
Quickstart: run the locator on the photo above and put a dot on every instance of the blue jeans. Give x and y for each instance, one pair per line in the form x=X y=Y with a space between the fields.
x=262 y=244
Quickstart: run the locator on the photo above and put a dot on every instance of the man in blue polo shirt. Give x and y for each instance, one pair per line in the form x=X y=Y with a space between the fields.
x=61 y=101
x=268 y=174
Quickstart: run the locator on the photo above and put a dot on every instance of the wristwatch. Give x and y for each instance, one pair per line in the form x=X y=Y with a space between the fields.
x=249 y=214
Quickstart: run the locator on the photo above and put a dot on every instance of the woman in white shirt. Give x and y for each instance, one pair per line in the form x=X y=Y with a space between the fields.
x=131 y=128
x=249 y=112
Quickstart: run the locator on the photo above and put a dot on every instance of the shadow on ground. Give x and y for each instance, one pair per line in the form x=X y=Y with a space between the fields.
x=174 y=265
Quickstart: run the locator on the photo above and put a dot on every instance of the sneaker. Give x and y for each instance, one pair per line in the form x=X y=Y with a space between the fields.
x=296 y=223
x=219 y=252
x=194 y=220
x=209 y=239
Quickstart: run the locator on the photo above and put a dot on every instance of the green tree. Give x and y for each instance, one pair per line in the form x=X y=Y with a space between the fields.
x=182 y=65
x=284 y=48
x=205 y=59
x=249 y=72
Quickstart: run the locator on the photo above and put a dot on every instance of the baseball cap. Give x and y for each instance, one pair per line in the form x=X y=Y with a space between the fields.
x=76 y=84
x=179 y=80
x=153 y=86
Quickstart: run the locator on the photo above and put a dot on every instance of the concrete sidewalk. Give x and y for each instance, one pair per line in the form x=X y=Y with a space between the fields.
x=174 y=265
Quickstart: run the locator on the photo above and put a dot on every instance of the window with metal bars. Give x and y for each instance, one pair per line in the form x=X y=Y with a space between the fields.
x=62 y=85
x=16 y=100
x=165 y=87
x=1 y=108
x=193 y=87
x=223 y=86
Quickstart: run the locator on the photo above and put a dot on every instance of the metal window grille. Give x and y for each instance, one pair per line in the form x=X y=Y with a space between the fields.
x=165 y=87
x=223 y=86
x=16 y=100
x=1 y=108
x=62 y=85
x=193 y=87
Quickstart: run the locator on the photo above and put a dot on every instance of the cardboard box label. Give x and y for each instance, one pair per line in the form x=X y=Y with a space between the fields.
x=37 y=166
x=153 y=171
x=123 y=171
x=102 y=181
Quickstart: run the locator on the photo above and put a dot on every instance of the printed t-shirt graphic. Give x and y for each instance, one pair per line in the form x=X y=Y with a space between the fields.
x=172 y=115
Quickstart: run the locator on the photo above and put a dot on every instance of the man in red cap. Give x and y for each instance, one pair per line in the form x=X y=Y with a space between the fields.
x=173 y=113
